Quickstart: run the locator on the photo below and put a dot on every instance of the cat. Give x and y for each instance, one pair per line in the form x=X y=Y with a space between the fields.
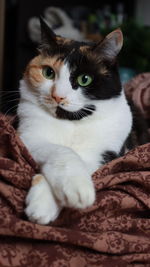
x=73 y=117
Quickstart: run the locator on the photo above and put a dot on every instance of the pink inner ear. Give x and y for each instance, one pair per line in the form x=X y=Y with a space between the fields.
x=117 y=36
x=111 y=45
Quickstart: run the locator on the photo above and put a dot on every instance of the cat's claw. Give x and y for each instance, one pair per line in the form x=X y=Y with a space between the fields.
x=41 y=207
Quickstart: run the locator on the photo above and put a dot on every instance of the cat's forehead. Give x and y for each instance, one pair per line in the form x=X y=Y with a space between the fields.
x=77 y=55
x=76 y=52
x=66 y=48
x=72 y=44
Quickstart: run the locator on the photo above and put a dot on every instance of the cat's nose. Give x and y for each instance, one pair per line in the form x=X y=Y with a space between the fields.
x=57 y=98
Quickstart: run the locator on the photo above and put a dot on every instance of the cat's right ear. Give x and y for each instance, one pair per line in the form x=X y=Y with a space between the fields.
x=48 y=37
x=111 y=45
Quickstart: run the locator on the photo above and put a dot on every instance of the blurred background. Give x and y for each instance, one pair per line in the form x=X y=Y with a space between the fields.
x=80 y=20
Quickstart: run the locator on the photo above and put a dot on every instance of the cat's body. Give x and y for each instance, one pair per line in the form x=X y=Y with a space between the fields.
x=69 y=127
x=104 y=130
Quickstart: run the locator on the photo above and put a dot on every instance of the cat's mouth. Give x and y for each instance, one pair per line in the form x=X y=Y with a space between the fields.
x=75 y=115
x=60 y=110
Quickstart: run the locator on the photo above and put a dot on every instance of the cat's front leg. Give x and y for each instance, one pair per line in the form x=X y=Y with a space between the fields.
x=41 y=207
x=69 y=179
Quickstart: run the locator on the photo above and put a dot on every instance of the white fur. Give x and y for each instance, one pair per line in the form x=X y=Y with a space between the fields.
x=41 y=205
x=68 y=151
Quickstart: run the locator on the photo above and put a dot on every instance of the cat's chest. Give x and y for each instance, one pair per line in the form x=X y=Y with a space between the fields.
x=83 y=138
x=75 y=135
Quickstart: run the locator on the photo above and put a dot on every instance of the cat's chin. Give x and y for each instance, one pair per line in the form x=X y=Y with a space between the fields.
x=74 y=115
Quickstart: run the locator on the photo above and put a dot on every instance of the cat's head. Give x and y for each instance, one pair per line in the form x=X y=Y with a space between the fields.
x=68 y=78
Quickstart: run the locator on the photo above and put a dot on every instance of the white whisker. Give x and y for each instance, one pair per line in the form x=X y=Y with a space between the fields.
x=12 y=108
x=12 y=100
x=88 y=109
x=6 y=91
x=13 y=118
x=11 y=93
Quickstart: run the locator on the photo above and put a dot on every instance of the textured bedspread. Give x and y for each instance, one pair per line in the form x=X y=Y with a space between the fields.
x=115 y=231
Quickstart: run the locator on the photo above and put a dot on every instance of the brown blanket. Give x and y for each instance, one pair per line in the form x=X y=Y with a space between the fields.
x=115 y=231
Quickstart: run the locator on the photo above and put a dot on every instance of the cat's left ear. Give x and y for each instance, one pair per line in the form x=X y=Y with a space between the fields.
x=111 y=45
x=47 y=35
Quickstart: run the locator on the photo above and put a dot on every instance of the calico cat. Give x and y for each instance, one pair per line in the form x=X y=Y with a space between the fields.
x=73 y=116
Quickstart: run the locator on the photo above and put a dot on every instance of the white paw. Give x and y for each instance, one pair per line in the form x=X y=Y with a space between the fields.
x=77 y=192
x=41 y=205
x=71 y=185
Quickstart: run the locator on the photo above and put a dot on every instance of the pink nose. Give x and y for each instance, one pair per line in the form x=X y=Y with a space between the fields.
x=57 y=98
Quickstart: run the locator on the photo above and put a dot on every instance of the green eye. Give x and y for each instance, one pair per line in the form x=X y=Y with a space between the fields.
x=48 y=73
x=84 y=80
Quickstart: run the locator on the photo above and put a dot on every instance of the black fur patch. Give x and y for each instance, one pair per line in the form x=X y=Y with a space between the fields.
x=77 y=115
x=109 y=156
x=103 y=86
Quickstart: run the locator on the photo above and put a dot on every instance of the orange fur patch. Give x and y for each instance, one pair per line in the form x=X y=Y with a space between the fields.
x=104 y=70
x=37 y=179
x=84 y=48
x=61 y=40
x=33 y=73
